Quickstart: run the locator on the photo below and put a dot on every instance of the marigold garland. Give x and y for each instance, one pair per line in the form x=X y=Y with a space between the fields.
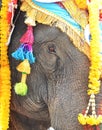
x=94 y=75
x=5 y=85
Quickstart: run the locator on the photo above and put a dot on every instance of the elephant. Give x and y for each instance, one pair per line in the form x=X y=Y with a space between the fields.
x=57 y=84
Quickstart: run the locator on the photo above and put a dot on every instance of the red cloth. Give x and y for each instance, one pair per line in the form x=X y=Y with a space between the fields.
x=60 y=4
x=11 y=5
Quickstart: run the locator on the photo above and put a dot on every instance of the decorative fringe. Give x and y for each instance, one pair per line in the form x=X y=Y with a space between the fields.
x=30 y=21
x=45 y=17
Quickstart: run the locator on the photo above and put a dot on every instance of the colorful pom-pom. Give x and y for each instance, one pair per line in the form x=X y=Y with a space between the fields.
x=21 y=89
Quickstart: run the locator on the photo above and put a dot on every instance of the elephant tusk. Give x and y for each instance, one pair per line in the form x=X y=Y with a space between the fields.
x=50 y=128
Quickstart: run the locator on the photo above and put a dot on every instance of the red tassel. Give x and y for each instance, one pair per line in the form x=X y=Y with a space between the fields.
x=28 y=36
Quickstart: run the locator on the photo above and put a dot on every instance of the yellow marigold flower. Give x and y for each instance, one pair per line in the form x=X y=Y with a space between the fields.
x=91 y=120
x=99 y=120
x=95 y=91
x=82 y=119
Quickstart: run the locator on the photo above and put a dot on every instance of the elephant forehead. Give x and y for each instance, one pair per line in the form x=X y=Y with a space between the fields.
x=45 y=33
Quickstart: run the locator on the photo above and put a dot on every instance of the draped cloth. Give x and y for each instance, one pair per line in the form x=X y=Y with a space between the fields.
x=59 y=11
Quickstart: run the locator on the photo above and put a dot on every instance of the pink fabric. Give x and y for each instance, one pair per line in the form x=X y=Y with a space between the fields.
x=28 y=36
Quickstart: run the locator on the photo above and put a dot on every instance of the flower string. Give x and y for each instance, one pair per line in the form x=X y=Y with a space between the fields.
x=94 y=74
x=5 y=84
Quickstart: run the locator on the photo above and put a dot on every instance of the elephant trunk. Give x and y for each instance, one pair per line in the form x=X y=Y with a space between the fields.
x=67 y=96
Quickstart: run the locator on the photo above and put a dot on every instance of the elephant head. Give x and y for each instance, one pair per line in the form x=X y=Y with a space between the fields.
x=57 y=83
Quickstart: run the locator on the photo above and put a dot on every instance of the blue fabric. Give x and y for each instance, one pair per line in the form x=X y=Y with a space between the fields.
x=101 y=31
x=101 y=26
x=56 y=9
x=23 y=52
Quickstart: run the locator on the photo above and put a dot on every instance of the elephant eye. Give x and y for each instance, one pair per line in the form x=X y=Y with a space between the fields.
x=52 y=49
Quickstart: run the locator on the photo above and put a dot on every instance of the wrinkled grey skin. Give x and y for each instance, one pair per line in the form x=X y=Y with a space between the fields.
x=57 y=83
